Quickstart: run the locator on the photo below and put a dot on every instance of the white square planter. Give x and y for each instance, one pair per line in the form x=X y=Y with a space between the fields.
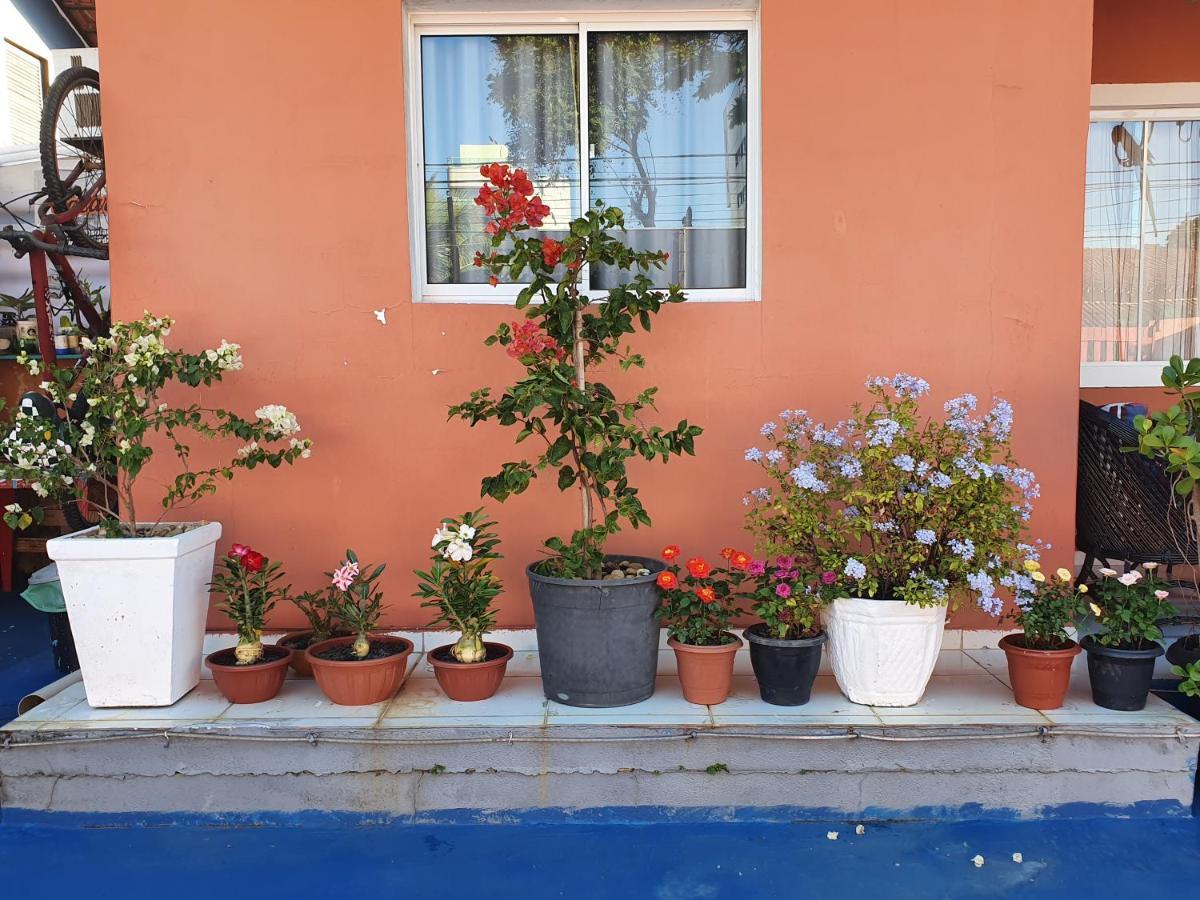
x=137 y=608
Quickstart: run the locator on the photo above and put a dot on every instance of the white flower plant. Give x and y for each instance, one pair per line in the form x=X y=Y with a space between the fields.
x=127 y=384
x=460 y=584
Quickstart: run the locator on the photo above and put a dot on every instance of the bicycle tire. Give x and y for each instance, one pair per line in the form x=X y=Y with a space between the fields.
x=57 y=190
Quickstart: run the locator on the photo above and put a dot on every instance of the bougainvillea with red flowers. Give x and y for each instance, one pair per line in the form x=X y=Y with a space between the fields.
x=585 y=435
x=698 y=599
x=248 y=584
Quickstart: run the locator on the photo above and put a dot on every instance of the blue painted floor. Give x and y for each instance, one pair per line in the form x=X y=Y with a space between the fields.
x=1062 y=858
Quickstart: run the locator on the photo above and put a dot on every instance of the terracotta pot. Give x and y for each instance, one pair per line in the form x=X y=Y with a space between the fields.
x=705 y=673
x=300 y=663
x=470 y=681
x=1039 y=677
x=360 y=682
x=250 y=684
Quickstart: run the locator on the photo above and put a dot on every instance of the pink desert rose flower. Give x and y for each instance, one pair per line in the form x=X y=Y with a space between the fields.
x=344 y=577
x=237 y=551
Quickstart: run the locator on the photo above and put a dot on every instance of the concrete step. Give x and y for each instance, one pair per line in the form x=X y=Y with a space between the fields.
x=966 y=749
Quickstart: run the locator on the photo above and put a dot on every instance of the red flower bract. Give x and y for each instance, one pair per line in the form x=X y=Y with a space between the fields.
x=698 y=566
x=253 y=561
x=552 y=252
x=667 y=580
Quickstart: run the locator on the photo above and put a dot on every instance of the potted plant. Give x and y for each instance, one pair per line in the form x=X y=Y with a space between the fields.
x=1040 y=656
x=908 y=514
x=24 y=312
x=1171 y=436
x=1188 y=687
x=249 y=586
x=785 y=647
x=697 y=607
x=597 y=636
x=460 y=586
x=362 y=667
x=318 y=608
x=136 y=587
x=1121 y=654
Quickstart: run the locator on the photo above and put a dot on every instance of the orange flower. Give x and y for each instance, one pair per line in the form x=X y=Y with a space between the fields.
x=727 y=553
x=670 y=552
x=667 y=580
x=740 y=559
x=698 y=566
x=706 y=594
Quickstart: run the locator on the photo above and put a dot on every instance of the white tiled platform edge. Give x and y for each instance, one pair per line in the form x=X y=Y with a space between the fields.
x=969 y=687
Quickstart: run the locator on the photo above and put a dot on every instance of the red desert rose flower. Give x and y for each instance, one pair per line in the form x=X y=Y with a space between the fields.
x=253 y=561
x=706 y=594
x=670 y=552
x=667 y=580
x=698 y=566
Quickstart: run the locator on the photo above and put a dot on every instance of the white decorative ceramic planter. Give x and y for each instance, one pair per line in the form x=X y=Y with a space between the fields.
x=137 y=608
x=883 y=651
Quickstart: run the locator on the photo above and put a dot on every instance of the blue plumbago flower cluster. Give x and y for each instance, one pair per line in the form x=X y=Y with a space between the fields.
x=906 y=507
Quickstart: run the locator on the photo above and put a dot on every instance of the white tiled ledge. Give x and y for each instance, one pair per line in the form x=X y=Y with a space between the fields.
x=968 y=689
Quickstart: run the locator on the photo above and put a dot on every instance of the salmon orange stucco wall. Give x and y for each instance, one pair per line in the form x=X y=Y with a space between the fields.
x=257 y=167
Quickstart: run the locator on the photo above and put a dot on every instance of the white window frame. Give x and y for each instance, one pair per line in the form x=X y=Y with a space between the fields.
x=421 y=23
x=1166 y=102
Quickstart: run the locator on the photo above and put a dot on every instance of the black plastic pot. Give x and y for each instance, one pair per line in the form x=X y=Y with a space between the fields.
x=597 y=640
x=1184 y=651
x=1120 y=678
x=785 y=669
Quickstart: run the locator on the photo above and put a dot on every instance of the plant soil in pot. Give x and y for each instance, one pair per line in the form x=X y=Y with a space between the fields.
x=1039 y=677
x=785 y=667
x=1120 y=678
x=597 y=639
x=883 y=651
x=349 y=681
x=468 y=682
x=706 y=672
x=253 y=683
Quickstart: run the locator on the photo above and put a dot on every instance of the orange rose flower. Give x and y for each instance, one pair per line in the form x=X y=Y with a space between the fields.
x=727 y=553
x=698 y=566
x=667 y=580
x=740 y=559
x=706 y=594
x=670 y=552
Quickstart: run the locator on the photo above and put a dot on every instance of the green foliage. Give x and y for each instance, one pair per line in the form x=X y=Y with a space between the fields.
x=1171 y=435
x=356 y=599
x=717 y=768
x=459 y=583
x=1190 y=686
x=896 y=505
x=318 y=608
x=1128 y=608
x=126 y=378
x=586 y=435
x=1054 y=605
x=698 y=603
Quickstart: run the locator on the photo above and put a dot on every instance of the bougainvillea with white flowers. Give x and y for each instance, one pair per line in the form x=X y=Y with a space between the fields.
x=896 y=505
x=125 y=381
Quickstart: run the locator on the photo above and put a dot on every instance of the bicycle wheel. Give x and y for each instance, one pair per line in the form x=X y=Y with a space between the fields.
x=72 y=150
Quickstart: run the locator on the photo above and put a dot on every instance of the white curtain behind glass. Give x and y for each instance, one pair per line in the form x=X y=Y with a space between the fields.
x=501 y=98
x=667 y=127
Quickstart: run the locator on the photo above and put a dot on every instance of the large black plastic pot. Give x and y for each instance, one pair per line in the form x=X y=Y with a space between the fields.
x=1120 y=678
x=1184 y=651
x=597 y=640
x=785 y=669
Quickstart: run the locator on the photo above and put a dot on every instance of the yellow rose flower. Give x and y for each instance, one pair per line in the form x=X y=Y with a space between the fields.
x=1032 y=565
x=1096 y=611
x=1063 y=575
x=1083 y=589
x=1037 y=576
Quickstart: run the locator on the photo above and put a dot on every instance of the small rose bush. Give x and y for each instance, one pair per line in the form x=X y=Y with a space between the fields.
x=125 y=388
x=248 y=584
x=1128 y=608
x=460 y=584
x=897 y=505
x=784 y=593
x=1048 y=608
x=698 y=601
